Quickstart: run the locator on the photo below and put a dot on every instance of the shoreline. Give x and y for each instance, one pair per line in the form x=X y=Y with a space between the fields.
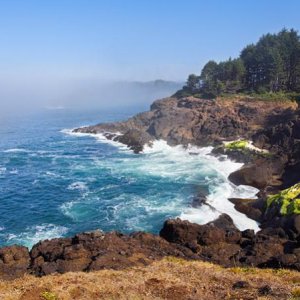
x=202 y=123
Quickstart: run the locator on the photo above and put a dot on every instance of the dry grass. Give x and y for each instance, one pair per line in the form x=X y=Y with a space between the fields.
x=170 y=278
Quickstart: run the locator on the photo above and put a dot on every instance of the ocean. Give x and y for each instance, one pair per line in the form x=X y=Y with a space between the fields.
x=55 y=183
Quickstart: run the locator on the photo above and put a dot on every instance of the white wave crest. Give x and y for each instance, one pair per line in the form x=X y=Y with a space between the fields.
x=185 y=164
x=16 y=150
x=33 y=235
x=78 y=185
x=179 y=160
x=100 y=137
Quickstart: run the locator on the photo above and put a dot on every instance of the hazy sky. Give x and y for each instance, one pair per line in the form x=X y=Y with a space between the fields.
x=46 y=43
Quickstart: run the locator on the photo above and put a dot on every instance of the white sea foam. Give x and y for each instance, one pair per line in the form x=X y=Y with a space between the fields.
x=51 y=174
x=186 y=164
x=98 y=136
x=219 y=191
x=16 y=150
x=78 y=185
x=14 y=171
x=33 y=235
x=2 y=170
x=66 y=209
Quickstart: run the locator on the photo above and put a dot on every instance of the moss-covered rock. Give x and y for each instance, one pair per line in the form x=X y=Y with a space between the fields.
x=237 y=145
x=288 y=200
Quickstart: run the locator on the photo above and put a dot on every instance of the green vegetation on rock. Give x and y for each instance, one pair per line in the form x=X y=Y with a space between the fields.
x=237 y=145
x=287 y=200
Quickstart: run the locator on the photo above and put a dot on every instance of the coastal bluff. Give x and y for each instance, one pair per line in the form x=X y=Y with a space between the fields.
x=196 y=121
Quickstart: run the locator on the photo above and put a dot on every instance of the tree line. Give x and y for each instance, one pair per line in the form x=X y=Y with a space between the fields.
x=270 y=65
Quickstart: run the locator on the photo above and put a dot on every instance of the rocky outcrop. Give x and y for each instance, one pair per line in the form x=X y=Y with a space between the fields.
x=274 y=173
x=283 y=139
x=192 y=120
x=218 y=241
x=96 y=250
x=221 y=242
x=260 y=173
x=14 y=261
x=253 y=208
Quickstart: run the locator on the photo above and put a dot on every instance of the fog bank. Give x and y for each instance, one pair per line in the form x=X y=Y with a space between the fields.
x=22 y=96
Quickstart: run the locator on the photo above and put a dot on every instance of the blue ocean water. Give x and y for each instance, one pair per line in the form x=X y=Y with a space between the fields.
x=53 y=183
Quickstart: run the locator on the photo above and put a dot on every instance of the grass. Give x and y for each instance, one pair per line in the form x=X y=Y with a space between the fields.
x=170 y=278
x=288 y=200
x=296 y=293
x=263 y=96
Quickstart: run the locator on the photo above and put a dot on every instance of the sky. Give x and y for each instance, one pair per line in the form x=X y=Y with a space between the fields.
x=50 y=44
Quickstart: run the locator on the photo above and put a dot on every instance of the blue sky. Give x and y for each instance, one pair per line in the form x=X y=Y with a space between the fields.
x=130 y=40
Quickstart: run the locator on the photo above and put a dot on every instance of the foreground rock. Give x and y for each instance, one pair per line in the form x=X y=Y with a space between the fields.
x=14 y=261
x=219 y=242
x=96 y=250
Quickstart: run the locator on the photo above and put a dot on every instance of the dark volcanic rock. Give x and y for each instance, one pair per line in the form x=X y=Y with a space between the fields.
x=260 y=173
x=283 y=139
x=218 y=241
x=192 y=120
x=221 y=242
x=221 y=230
x=134 y=139
x=252 y=208
x=96 y=250
x=14 y=261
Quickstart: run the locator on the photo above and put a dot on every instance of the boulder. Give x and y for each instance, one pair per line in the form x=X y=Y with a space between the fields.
x=260 y=173
x=14 y=261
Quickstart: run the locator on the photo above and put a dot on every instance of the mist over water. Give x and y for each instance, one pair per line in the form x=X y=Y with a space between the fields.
x=23 y=96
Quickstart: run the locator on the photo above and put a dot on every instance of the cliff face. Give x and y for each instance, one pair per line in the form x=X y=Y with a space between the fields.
x=196 y=121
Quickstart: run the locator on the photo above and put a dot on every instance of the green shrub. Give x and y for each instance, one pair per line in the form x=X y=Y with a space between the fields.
x=288 y=200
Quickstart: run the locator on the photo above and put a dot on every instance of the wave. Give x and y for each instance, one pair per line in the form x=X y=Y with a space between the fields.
x=186 y=164
x=16 y=150
x=14 y=172
x=98 y=136
x=34 y=234
x=220 y=188
x=78 y=185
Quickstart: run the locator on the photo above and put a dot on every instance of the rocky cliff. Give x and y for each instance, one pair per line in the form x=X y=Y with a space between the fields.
x=196 y=121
